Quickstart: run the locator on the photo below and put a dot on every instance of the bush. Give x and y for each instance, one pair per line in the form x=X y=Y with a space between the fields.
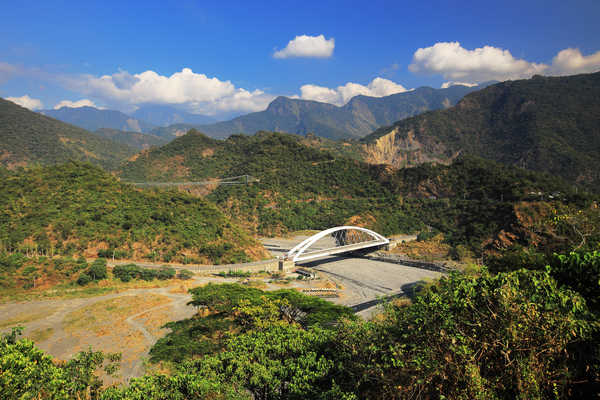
x=84 y=279
x=165 y=273
x=234 y=273
x=426 y=235
x=11 y=262
x=185 y=274
x=579 y=271
x=97 y=270
x=128 y=272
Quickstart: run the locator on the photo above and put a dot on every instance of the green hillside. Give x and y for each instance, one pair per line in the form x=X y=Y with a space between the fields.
x=139 y=141
x=29 y=138
x=76 y=208
x=301 y=187
x=549 y=124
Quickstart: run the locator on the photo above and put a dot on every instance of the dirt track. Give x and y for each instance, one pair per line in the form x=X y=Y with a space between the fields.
x=132 y=335
x=130 y=322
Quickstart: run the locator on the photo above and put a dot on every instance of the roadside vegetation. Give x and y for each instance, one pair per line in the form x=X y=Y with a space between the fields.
x=25 y=278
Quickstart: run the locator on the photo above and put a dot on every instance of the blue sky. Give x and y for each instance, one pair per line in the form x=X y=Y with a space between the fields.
x=222 y=53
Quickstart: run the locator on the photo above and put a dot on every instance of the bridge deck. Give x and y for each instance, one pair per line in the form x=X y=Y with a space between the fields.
x=340 y=249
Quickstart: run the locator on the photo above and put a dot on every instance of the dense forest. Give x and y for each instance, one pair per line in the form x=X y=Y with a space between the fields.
x=76 y=208
x=521 y=334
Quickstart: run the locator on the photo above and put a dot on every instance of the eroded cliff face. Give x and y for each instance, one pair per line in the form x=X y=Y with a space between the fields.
x=403 y=150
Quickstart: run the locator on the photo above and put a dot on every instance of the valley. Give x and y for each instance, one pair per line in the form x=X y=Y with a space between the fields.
x=124 y=241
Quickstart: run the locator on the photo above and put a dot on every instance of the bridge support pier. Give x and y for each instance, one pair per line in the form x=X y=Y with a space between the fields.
x=286 y=265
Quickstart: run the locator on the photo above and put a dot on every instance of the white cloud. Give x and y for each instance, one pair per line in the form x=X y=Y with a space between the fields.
x=27 y=102
x=571 y=61
x=378 y=87
x=197 y=92
x=307 y=46
x=452 y=61
x=76 y=104
x=446 y=85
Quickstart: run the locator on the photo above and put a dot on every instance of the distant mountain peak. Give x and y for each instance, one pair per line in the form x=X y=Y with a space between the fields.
x=359 y=117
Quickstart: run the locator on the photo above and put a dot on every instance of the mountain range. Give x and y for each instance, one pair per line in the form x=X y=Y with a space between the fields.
x=162 y=115
x=357 y=118
x=29 y=138
x=91 y=119
x=549 y=124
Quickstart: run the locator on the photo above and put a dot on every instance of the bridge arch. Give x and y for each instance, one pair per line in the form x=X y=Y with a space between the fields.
x=346 y=238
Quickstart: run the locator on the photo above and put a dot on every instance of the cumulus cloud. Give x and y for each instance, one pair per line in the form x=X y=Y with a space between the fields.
x=76 y=104
x=446 y=85
x=197 y=92
x=27 y=102
x=378 y=87
x=571 y=61
x=307 y=46
x=453 y=61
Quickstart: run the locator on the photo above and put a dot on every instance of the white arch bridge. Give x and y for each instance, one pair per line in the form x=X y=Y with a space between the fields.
x=341 y=239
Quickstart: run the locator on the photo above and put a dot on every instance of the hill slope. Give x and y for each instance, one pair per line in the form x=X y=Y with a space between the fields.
x=91 y=119
x=28 y=138
x=139 y=141
x=301 y=187
x=360 y=116
x=78 y=208
x=543 y=124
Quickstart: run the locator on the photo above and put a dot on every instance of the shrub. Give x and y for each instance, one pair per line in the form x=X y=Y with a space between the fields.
x=165 y=273
x=234 y=273
x=97 y=270
x=185 y=274
x=84 y=279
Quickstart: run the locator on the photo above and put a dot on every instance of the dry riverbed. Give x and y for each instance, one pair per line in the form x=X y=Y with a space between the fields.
x=131 y=320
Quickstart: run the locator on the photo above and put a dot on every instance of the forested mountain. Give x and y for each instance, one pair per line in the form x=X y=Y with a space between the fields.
x=91 y=119
x=549 y=124
x=172 y=131
x=360 y=116
x=28 y=138
x=162 y=115
x=139 y=141
x=77 y=208
x=301 y=187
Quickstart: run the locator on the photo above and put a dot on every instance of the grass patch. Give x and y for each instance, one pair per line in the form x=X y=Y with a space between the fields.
x=23 y=318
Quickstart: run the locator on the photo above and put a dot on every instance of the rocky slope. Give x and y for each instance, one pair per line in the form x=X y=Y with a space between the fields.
x=543 y=124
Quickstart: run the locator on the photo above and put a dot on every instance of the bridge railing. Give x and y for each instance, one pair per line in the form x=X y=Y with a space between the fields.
x=346 y=239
